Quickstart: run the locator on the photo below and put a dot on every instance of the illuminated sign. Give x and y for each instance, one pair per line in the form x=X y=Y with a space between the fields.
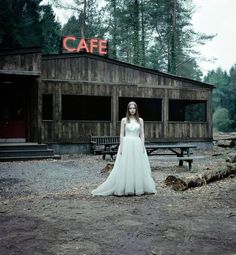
x=94 y=45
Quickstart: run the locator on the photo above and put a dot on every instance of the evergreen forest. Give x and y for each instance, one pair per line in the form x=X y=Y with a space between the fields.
x=149 y=33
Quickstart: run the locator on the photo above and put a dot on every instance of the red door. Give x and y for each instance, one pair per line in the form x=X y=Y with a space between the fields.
x=13 y=121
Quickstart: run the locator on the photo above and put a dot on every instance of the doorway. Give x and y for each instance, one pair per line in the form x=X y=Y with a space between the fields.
x=13 y=112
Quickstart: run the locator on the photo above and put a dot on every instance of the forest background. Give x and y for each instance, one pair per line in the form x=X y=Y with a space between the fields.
x=149 y=33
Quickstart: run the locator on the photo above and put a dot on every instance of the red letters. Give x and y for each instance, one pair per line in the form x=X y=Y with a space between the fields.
x=82 y=45
x=93 y=44
x=90 y=46
x=103 y=47
x=65 y=39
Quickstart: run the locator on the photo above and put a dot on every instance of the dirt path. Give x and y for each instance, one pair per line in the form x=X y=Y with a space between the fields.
x=46 y=208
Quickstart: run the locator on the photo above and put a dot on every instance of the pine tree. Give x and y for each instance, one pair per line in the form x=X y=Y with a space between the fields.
x=20 y=23
x=232 y=95
x=72 y=27
x=220 y=79
x=50 y=31
x=87 y=16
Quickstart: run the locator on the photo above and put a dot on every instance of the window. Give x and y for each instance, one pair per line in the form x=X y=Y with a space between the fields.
x=149 y=108
x=86 y=108
x=47 y=107
x=187 y=110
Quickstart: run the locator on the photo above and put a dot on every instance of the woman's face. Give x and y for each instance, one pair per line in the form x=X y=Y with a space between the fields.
x=132 y=109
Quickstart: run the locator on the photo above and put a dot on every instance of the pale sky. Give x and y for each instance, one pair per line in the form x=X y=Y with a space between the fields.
x=217 y=17
x=211 y=17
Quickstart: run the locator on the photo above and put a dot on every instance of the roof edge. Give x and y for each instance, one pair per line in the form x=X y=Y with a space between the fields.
x=15 y=51
x=118 y=62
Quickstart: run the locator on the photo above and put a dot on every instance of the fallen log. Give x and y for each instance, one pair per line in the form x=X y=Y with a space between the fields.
x=107 y=168
x=182 y=183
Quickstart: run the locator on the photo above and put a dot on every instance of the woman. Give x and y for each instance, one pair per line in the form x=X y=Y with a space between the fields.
x=131 y=174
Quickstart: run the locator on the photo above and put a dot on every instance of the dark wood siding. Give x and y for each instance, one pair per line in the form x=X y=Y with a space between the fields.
x=94 y=76
x=25 y=61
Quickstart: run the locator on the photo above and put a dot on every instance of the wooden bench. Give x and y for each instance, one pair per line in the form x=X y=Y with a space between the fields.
x=188 y=159
x=100 y=144
x=111 y=152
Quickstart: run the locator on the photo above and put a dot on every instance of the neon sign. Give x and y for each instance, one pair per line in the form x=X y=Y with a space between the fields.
x=94 y=45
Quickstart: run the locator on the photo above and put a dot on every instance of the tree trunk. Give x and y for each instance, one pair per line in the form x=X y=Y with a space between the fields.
x=172 y=43
x=136 y=58
x=84 y=20
x=143 y=35
x=114 y=31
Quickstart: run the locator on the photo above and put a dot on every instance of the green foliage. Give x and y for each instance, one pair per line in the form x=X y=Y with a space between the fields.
x=174 y=37
x=155 y=34
x=87 y=19
x=220 y=79
x=224 y=97
x=124 y=30
x=24 y=23
x=94 y=20
x=221 y=120
x=72 y=27
x=51 y=31
x=20 y=23
x=231 y=106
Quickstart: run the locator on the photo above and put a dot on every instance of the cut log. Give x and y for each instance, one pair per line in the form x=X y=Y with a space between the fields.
x=183 y=183
x=107 y=168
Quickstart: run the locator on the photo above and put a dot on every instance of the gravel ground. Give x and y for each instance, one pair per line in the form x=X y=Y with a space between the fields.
x=46 y=208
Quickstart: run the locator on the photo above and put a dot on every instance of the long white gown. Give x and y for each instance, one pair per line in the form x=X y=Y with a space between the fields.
x=131 y=174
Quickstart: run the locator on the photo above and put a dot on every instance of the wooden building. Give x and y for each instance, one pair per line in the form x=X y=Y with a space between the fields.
x=67 y=98
x=19 y=82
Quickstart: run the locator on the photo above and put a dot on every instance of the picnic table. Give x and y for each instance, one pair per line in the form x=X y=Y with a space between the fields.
x=181 y=150
x=110 y=148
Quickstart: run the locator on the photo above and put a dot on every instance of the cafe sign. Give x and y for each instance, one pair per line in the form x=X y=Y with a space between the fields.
x=94 y=45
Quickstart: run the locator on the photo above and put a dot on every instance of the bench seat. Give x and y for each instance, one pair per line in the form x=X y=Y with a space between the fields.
x=98 y=142
x=189 y=160
x=108 y=152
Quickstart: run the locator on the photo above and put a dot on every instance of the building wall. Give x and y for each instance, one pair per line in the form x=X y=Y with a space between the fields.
x=19 y=72
x=95 y=76
x=21 y=61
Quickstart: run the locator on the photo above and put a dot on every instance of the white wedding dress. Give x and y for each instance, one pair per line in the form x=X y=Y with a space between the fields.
x=131 y=174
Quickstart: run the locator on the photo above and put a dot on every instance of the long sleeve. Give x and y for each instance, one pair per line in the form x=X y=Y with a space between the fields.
x=122 y=133
x=142 y=133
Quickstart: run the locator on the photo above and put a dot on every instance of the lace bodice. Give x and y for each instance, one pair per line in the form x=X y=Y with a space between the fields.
x=132 y=128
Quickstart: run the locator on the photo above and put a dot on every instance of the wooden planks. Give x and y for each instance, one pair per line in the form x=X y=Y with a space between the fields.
x=24 y=61
x=71 y=74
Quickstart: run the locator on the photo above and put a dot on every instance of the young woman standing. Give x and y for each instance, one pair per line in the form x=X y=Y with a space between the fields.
x=131 y=174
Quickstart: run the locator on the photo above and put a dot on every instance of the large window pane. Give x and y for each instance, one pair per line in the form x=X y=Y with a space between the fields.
x=187 y=110
x=86 y=108
x=149 y=108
